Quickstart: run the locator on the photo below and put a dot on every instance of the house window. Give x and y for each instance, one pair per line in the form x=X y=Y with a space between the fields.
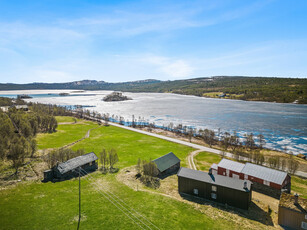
x=245 y=177
x=213 y=188
x=304 y=225
x=265 y=182
x=213 y=196
x=224 y=173
x=195 y=191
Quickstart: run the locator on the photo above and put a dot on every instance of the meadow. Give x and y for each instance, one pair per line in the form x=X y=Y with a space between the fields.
x=37 y=205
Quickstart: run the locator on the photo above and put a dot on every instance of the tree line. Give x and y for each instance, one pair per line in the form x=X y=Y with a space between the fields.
x=19 y=128
x=248 y=146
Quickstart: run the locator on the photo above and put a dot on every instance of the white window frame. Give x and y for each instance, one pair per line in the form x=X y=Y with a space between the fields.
x=213 y=195
x=245 y=177
x=213 y=188
x=195 y=191
x=265 y=182
x=304 y=225
x=235 y=176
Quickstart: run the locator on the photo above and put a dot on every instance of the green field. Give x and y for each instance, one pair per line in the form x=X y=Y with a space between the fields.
x=130 y=145
x=55 y=206
x=36 y=205
x=204 y=160
x=61 y=119
x=65 y=134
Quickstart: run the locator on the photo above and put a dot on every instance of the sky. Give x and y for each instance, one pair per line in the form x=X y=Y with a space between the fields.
x=117 y=41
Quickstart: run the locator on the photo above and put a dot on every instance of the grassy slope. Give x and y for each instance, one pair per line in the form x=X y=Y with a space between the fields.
x=65 y=134
x=130 y=145
x=33 y=205
x=55 y=206
x=65 y=119
x=204 y=160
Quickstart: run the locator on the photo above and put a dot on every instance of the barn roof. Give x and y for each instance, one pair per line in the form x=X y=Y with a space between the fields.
x=268 y=174
x=228 y=182
x=76 y=162
x=166 y=161
x=231 y=165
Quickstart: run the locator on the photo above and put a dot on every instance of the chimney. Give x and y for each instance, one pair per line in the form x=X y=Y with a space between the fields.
x=296 y=198
x=245 y=185
x=210 y=171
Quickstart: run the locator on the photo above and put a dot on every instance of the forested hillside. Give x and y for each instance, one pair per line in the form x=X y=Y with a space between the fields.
x=283 y=90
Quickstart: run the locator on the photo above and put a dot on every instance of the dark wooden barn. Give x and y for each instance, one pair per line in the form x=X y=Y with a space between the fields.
x=292 y=212
x=225 y=190
x=167 y=164
x=265 y=180
x=69 y=169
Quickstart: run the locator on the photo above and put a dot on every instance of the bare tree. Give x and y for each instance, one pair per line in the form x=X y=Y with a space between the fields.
x=103 y=159
x=283 y=164
x=234 y=141
x=292 y=164
x=261 y=141
x=113 y=158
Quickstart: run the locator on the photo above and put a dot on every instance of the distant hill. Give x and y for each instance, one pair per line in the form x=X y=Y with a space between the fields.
x=284 y=90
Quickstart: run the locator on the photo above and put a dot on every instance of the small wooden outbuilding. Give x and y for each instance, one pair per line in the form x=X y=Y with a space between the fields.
x=225 y=190
x=69 y=169
x=167 y=164
x=292 y=212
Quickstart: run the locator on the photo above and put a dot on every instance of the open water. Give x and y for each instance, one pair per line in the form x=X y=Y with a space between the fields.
x=283 y=125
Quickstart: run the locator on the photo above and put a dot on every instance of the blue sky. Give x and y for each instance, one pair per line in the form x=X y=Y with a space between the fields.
x=115 y=41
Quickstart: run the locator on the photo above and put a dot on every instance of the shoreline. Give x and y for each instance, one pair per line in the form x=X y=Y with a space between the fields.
x=207 y=97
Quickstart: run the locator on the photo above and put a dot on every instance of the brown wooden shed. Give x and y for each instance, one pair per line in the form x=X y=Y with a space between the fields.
x=292 y=212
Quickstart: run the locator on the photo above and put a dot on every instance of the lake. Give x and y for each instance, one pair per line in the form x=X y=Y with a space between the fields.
x=283 y=125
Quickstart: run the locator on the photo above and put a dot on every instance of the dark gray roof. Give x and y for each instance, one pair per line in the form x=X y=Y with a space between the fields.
x=76 y=162
x=214 y=179
x=166 y=161
x=268 y=174
x=231 y=165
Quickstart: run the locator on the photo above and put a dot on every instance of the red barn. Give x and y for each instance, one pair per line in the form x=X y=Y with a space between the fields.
x=266 y=180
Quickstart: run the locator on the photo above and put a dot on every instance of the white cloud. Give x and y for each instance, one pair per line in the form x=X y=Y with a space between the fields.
x=172 y=68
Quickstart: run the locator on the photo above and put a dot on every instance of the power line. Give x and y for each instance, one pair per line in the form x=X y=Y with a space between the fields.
x=111 y=195
x=121 y=204
x=104 y=195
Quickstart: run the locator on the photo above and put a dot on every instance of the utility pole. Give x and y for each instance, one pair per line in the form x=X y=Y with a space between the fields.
x=79 y=200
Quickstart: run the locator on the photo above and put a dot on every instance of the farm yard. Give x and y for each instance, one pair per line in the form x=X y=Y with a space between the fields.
x=36 y=205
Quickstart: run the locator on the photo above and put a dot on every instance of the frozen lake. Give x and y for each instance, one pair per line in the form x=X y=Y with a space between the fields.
x=283 y=125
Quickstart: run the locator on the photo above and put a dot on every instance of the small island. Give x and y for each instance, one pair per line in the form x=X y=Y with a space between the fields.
x=24 y=96
x=64 y=94
x=116 y=96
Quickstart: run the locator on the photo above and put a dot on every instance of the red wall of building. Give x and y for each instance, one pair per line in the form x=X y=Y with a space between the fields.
x=221 y=171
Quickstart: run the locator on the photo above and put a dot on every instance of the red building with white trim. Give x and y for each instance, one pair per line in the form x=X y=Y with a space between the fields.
x=266 y=180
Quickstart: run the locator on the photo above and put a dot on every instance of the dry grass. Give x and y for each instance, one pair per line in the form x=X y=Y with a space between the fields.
x=257 y=217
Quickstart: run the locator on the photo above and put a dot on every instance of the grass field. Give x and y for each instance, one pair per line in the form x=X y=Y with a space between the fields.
x=204 y=160
x=61 y=119
x=65 y=134
x=130 y=145
x=36 y=205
